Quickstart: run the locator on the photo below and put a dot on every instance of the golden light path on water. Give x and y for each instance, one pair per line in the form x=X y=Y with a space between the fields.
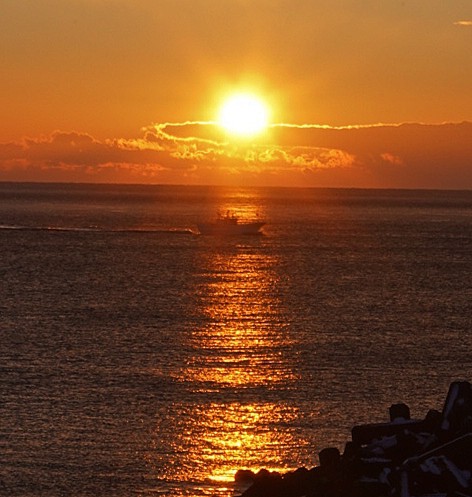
x=241 y=347
x=237 y=355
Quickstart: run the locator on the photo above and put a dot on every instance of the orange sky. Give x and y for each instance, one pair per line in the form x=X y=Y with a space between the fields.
x=99 y=91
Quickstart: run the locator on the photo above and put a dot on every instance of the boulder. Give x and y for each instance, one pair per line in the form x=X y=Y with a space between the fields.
x=402 y=457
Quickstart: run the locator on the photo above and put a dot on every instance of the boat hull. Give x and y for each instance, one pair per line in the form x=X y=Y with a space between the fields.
x=230 y=229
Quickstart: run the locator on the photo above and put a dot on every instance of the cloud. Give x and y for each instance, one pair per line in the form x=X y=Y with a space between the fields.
x=463 y=23
x=80 y=152
x=195 y=152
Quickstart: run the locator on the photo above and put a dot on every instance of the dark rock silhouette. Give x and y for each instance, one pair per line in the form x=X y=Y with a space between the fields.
x=401 y=458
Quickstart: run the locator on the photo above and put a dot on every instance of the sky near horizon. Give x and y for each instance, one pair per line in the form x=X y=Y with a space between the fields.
x=373 y=93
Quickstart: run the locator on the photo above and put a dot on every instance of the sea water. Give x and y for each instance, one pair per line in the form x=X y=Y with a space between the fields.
x=138 y=358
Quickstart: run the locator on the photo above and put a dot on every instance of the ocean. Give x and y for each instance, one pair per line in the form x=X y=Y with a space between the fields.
x=138 y=358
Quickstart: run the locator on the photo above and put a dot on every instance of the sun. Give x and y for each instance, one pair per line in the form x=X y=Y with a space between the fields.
x=244 y=115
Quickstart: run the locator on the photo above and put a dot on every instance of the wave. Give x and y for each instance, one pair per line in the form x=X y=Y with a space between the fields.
x=97 y=229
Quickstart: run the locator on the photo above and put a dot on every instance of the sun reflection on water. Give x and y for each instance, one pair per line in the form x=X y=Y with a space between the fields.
x=242 y=341
x=239 y=348
x=237 y=357
x=211 y=442
x=237 y=354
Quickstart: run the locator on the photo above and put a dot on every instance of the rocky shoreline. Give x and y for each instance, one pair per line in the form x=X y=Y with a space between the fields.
x=400 y=458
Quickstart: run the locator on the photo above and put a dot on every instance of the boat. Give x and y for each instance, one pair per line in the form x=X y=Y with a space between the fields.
x=230 y=224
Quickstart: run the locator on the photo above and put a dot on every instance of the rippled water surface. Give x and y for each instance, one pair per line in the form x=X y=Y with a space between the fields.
x=138 y=358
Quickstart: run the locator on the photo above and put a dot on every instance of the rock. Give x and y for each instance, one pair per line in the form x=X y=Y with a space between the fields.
x=399 y=412
x=266 y=484
x=457 y=410
x=403 y=457
x=244 y=476
x=330 y=459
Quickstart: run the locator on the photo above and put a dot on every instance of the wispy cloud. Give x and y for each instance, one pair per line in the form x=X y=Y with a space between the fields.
x=408 y=155
x=463 y=23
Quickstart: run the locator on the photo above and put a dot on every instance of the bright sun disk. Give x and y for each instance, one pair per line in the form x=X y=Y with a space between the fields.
x=244 y=115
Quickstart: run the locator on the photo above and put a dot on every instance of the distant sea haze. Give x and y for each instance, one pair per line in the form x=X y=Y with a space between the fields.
x=140 y=358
